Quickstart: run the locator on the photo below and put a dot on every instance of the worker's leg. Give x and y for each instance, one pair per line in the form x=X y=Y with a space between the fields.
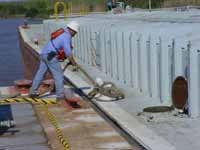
x=39 y=76
x=57 y=73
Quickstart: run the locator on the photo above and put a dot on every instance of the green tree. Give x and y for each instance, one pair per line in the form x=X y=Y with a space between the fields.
x=32 y=12
x=43 y=7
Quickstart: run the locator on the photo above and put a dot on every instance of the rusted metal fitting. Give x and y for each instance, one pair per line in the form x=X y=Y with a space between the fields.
x=180 y=93
x=23 y=86
x=25 y=24
x=74 y=102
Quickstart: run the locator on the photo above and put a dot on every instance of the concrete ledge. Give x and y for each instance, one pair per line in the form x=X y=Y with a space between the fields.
x=146 y=137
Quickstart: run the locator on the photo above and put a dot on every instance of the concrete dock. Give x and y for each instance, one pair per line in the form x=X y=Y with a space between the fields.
x=166 y=131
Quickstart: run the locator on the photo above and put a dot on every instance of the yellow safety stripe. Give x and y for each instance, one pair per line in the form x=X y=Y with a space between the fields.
x=27 y=100
x=59 y=133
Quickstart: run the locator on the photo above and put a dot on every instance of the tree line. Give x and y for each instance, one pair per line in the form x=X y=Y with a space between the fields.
x=28 y=8
x=40 y=8
x=43 y=8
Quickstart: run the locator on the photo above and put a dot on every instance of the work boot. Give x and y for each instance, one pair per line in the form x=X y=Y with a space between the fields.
x=74 y=99
x=31 y=95
x=60 y=100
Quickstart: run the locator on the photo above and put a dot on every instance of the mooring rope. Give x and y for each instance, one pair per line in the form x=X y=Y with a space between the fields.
x=59 y=133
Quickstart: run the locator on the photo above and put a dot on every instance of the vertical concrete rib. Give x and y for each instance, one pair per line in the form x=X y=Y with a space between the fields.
x=188 y=61
x=110 y=55
x=87 y=46
x=117 y=53
x=149 y=65
x=144 y=70
x=159 y=67
x=173 y=60
x=131 y=59
x=127 y=58
x=139 y=62
x=123 y=59
x=108 y=52
x=90 y=46
x=120 y=57
x=105 y=51
x=135 y=60
x=102 y=48
x=170 y=68
x=194 y=103
x=165 y=69
x=114 y=55
x=154 y=68
x=84 y=46
x=98 y=49
x=79 y=46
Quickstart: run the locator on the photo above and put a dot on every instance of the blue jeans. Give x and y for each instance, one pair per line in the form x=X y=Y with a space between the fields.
x=56 y=70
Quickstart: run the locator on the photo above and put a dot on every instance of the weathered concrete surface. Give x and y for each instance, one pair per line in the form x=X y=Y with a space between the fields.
x=30 y=135
x=83 y=128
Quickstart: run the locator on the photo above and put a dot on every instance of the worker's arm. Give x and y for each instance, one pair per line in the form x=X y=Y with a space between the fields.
x=72 y=60
x=68 y=50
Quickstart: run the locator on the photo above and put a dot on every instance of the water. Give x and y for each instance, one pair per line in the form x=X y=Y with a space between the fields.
x=11 y=65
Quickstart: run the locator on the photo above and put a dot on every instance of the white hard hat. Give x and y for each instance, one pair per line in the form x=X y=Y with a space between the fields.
x=73 y=25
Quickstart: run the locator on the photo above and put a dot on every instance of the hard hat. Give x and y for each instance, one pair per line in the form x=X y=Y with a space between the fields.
x=73 y=25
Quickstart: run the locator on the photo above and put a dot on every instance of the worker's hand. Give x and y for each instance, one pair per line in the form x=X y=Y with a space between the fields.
x=73 y=62
x=69 y=63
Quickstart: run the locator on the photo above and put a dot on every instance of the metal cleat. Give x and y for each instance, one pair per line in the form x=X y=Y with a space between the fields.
x=23 y=86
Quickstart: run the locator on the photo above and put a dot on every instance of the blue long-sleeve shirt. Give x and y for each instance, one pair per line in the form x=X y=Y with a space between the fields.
x=62 y=41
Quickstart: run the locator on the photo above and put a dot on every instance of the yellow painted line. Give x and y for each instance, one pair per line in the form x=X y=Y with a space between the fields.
x=59 y=133
x=27 y=100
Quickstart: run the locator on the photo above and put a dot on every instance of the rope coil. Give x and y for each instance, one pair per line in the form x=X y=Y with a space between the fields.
x=108 y=89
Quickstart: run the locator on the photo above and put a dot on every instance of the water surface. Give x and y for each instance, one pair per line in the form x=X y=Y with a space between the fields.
x=11 y=65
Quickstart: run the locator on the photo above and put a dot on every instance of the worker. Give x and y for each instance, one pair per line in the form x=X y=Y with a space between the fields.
x=109 y=5
x=57 y=49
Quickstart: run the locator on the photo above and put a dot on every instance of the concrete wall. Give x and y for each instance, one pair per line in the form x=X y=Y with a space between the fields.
x=144 y=55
